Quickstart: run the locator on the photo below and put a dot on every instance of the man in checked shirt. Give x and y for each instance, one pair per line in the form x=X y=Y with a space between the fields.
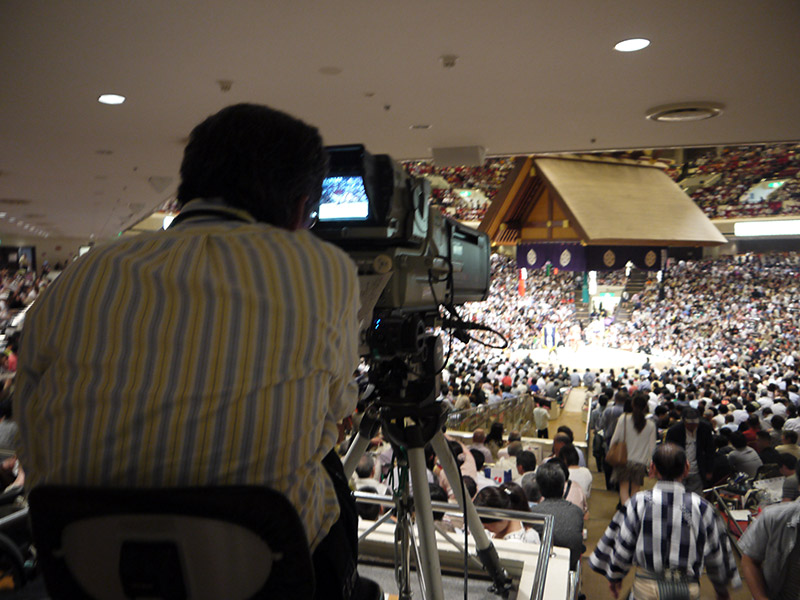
x=669 y=534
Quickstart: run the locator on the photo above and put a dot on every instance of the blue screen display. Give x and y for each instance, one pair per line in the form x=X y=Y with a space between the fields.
x=343 y=198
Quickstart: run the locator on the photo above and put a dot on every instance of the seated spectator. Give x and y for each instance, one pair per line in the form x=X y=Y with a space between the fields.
x=568 y=518
x=720 y=465
x=767 y=454
x=365 y=476
x=516 y=496
x=479 y=443
x=514 y=436
x=788 y=443
x=526 y=462
x=531 y=488
x=470 y=486
x=788 y=466
x=568 y=431
x=441 y=521
x=503 y=529
x=494 y=441
x=481 y=480
x=580 y=475
x=507 y=460
x=776 y=430
x=743 y=458
x=560 y=440
x=366 y=510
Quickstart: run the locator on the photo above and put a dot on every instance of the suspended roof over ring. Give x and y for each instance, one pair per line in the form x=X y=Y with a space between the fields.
x=595 y=202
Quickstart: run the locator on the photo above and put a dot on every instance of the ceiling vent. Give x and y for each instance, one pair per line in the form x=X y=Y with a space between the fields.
x=686 y=111
x=14 y=201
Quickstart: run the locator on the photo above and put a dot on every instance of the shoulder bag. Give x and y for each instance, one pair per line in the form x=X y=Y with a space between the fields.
x=617 y=455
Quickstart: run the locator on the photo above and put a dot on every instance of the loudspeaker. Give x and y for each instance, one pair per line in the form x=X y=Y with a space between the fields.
x=459 y=156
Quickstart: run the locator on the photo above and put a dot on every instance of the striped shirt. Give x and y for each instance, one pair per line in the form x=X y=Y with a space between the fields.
x=218 y=352
x=667 y=528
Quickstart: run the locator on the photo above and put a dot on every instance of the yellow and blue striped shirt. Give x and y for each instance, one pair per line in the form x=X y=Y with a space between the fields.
x=217 y=352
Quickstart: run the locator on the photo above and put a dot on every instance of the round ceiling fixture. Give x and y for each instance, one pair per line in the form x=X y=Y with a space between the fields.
x=111 y=99
x=684 y=111
x=632 y=45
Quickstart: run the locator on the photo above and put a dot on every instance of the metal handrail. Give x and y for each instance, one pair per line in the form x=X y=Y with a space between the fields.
x=546 y=538
x=515 y=414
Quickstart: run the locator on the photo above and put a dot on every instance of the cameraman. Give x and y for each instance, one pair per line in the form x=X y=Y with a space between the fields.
x=218 y=352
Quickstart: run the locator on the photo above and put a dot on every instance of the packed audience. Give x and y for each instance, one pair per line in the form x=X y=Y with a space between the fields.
x=740 y=168
x=729 y=174
x=458 y=200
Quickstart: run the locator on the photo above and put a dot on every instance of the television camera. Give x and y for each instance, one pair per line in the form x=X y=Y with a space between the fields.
x=411 y=261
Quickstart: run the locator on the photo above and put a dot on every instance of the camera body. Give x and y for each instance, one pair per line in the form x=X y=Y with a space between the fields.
x=384 y=220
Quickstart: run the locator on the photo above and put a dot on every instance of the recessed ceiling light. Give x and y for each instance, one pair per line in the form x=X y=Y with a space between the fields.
x=2 y=215
x=684 y=111
x=632 y=45
x=111 y=99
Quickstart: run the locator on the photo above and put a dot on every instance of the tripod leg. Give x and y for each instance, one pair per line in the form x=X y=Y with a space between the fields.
x=485 y=549
x=366 y=429
x=402 y=554
x=354 y=454
x=431 y=570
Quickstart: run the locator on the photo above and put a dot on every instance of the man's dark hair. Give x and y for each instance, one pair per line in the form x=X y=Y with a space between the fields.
x=551 y=479
x=437 y=495
x=791 y=436
x=764 y=435
x=470 y=486
x=568 y=431
x=527 y=460
x=721 y=440
x=255 y=158
x=690 y=413
x=6 y=408
x=670 y=461
x=492 y=497
x=368 y=511
x=569 y=454
x=738 y=440
x=480 y=459
x=787 y=460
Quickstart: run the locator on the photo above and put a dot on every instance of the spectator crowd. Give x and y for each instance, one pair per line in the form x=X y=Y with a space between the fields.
x=726 y=175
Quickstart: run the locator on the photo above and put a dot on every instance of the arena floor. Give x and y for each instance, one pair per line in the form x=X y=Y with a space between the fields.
x=593 y=357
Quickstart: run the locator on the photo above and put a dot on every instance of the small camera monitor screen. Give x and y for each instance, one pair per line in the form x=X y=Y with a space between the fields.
x=343 y=199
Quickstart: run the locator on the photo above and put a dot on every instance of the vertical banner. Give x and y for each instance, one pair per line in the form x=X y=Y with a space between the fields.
x=523 y=275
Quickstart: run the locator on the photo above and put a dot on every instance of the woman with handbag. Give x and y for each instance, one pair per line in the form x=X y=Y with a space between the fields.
x=632 y=447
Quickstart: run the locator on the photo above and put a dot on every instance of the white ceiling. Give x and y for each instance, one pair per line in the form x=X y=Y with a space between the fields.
x=532 y=76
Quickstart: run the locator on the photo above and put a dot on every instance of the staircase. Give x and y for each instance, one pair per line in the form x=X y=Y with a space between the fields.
x=581 y=307
x=635 y=284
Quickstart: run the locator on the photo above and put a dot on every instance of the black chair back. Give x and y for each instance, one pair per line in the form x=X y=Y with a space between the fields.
x=202 y=543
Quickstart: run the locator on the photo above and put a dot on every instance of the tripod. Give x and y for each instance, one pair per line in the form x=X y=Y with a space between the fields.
x=412 y=426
